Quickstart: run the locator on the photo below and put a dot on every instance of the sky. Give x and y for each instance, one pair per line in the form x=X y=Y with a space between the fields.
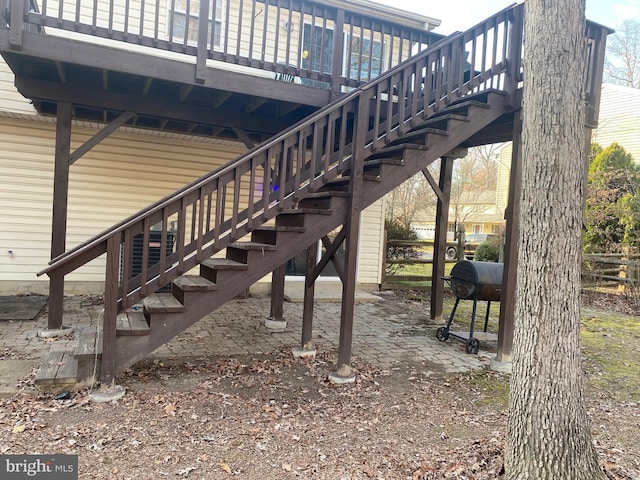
x=462 y=14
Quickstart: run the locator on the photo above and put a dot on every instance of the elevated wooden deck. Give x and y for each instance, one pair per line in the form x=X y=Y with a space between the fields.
x=262 y=66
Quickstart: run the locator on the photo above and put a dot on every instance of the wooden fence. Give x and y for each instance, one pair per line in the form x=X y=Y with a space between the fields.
x=421 y=253
x=612 y=271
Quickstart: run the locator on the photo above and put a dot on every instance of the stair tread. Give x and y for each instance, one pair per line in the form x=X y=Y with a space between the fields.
x=194 y=283
x=252 y=246
x=343 y=180
x=87 y=345
x=57 y=368
x=224 y=264
x=399 y=147
x=162 y=303
x=388 y=160
x=132 y=323
x=282 y=228
x=320 y=194
x=298 y=211
x=444 y=115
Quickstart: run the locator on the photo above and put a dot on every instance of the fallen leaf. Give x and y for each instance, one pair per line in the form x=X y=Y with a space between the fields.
x=170 y=409
x=225 y=467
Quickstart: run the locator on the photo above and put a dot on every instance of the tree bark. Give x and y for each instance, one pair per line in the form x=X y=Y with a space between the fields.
x=548 y=433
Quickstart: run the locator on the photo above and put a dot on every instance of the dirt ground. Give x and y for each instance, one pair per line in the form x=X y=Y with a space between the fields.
x=276 y=417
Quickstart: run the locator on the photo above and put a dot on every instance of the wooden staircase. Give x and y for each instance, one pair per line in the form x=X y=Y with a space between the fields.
x=140 y=330
x=246 y=219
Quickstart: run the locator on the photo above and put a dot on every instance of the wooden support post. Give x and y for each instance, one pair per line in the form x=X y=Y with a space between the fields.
x=18 y=9
x=352 y=229
x=306 y=349
x=203 y=39
x=309 y=291
x=507 y=296
x=336 y=62
x=348 y=296
x=108 y=365
x=440 y=240
x=59 y=220
x=277 y=293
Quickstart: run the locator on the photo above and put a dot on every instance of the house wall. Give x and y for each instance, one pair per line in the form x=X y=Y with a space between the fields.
x=126 y=172
x=619 y=120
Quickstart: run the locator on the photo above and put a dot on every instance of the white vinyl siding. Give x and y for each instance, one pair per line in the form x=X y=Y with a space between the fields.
x=10 y=100
x=371 y=244
x=619 y=121
x=124 y=173
x=121 y=175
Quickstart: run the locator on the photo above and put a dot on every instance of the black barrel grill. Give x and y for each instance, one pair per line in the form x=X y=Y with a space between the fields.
x=471 y=280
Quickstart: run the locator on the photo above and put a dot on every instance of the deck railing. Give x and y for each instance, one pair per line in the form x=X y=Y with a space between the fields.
x=313 y=40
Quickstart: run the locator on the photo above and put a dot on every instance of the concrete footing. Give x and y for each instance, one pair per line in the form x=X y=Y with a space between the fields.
x=500 y=366
x=57 y=332
x=108 y=394
x=341 y=379
x=304 y=353
x=275 y=325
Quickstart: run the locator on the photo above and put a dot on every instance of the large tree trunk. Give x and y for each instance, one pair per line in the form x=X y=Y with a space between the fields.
x=548 y=430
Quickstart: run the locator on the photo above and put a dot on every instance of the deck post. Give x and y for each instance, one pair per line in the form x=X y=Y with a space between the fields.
x=509 y=276
x=352 y=229
x=309 y=292
x=59 y=217
x=514 y=55
x=306 y=349
x=336 y=61
x=440 y=240
x=18 y=9
x=203 y=39
x=108 y=364
x=276 y=318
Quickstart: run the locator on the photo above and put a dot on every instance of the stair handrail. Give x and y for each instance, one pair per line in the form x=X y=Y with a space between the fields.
x=116 y=229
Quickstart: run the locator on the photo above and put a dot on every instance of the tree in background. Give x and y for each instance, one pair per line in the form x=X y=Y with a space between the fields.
x=411 y=200
x=622 y=65
x=472 y=176
x=612 y=216
x=548 y=430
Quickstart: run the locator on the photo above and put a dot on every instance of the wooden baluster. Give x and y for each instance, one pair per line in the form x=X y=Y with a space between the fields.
x=127 y=267
x=144 y=267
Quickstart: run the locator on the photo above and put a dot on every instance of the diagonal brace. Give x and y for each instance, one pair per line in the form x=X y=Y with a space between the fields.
x=331 y=249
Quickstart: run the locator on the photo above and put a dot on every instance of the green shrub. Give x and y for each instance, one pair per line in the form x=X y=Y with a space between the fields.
x=487 y=252
x=397 y=231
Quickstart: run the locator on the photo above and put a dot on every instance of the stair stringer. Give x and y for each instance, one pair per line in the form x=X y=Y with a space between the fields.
x=130 y=349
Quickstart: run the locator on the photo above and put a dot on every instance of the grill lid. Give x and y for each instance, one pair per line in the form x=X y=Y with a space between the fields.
x=479 y=280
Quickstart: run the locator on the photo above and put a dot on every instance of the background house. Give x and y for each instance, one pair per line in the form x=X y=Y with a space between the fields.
x=619 y=120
